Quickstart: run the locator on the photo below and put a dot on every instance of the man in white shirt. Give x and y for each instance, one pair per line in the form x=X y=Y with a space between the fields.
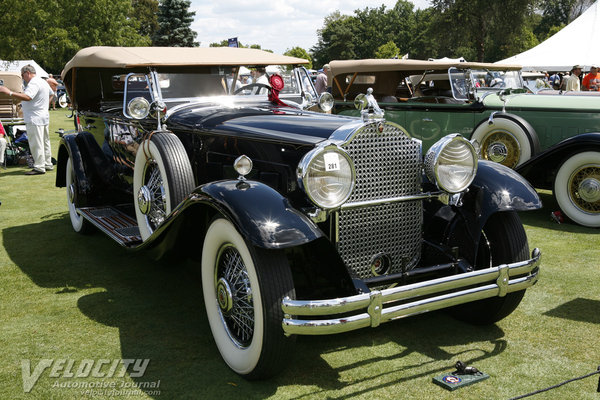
x=573 y=83
x=35 y=100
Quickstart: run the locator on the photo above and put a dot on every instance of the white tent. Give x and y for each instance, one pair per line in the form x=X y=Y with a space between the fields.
x=575 y=44
x=18 y=64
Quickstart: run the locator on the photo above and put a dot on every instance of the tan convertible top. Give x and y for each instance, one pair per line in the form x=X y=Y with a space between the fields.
x=338 y=67
x=128 y=57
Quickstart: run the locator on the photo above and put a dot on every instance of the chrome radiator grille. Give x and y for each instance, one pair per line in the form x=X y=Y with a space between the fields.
x=388 y=165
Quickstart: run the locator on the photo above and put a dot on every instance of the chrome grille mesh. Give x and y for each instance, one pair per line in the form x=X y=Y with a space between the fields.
x=388 y=165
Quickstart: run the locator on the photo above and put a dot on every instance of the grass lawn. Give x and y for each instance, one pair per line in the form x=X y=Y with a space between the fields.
x=74 y=297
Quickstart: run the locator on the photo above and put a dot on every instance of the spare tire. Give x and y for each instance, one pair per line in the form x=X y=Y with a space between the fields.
x=507 y=139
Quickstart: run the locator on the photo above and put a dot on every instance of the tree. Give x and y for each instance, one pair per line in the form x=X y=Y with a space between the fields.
x=146 y=12
x=336 y=39
x=175 y=22
x=476 y=28
x=52 y=31
x=299 y=52
x=555 y=14
x=388 y=50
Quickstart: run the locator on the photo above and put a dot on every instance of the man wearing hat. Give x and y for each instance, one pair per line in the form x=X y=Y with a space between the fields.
x=573 y=81
x=592 y=80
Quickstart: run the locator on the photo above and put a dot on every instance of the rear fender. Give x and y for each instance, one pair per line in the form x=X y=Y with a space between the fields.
x=69 y=148
x=541 y=169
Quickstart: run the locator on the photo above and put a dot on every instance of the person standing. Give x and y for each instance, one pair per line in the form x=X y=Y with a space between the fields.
x=2 y=145
x=592 y=80
x=573 y=81
x=321 y=82
x=35 y=100
x=53 y=83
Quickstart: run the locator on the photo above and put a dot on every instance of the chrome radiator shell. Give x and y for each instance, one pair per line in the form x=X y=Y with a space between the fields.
x=388 y=165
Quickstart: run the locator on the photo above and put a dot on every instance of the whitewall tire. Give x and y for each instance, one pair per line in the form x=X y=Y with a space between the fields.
x=243 y=288
x=162 y=178
x=508 y=140
x=577 y=188
x=80 y=224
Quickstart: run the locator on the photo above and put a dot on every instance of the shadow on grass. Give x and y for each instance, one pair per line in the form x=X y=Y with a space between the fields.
x=580 y=309
x=160 y=315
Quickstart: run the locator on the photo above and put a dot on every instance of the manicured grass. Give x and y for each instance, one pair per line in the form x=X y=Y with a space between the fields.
x=69 y=296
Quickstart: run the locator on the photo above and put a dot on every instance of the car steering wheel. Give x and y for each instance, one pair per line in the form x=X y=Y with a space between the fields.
x=252 y=85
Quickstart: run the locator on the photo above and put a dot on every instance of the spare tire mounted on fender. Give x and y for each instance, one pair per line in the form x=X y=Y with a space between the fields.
x=162 y=178
x=507 y=139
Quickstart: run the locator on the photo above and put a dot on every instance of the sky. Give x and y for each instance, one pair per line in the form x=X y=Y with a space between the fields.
x=275 y=25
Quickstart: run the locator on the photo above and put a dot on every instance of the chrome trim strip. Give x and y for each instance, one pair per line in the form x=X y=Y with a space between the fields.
x=367 y=203
x=432 y=295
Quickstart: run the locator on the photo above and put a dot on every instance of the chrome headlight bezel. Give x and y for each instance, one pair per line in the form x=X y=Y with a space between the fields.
x=326 y=101
x=138 y=108
x=312 y=171
x=451 y=163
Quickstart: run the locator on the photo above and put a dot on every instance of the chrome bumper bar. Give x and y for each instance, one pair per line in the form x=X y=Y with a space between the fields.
x=428 y=296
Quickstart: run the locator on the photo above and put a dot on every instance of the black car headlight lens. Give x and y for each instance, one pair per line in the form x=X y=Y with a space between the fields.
x=451 y=163
x=327 y=176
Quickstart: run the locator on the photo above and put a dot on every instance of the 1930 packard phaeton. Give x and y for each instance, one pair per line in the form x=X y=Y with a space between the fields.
x=303 y=223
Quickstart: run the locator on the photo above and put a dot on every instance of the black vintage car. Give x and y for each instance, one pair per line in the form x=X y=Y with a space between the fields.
x=303 y=223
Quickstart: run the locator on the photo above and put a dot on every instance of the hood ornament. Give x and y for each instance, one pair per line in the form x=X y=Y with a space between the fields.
x=369 y=109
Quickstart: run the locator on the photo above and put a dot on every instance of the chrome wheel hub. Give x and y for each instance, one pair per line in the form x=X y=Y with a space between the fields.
x=584 y=188
x=144 y=199
x=501 y=147
x=71 y=193
x=589 y=190
x=497 y=152
x=224 y=296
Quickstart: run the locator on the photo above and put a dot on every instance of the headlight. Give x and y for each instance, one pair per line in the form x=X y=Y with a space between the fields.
x=451 y=163
x=326 y=101
x=327 y=175
x=138 y=108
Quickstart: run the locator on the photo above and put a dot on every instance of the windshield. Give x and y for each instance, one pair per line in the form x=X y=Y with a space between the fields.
x=248 y=81
x=497 y=79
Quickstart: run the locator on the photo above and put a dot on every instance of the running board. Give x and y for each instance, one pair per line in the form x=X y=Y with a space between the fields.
x=116 y=224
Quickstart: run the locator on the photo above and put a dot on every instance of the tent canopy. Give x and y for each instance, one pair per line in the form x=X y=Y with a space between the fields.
x=575 y=44
x=18 y=64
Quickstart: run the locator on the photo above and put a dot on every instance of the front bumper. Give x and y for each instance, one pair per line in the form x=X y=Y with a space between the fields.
x=384 y=305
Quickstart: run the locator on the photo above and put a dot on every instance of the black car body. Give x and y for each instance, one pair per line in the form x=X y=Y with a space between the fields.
x=302 y=222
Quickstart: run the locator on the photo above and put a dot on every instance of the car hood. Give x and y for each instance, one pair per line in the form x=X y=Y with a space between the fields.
x=534 y=101
x=281 y=124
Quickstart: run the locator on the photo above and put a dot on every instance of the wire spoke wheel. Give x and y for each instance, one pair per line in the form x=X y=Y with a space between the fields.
x=234 y=294
x=501 y=147
x=157 y=201
x=577 y=188
x=584 y=188
x=162 y=178
x=243 y=287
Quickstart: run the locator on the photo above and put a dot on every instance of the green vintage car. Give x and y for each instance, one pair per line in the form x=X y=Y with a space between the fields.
x=544 y=137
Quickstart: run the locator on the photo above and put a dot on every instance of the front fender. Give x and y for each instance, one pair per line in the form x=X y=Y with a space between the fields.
x=261 y=214
x=499 y=188
x=496 y=188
